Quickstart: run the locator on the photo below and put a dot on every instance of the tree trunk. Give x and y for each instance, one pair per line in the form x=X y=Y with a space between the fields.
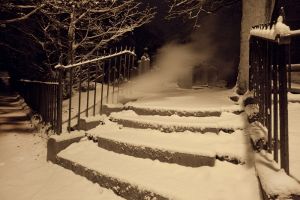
x=254 y=12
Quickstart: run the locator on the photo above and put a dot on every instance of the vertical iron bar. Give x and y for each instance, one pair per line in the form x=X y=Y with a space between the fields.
x=51 y=103
x=70 y=99
x=289 y=68
x=129 y=64
x=47 y=102
x=114 y=75
x=269 y=95
x=88 y=92
x=55 y=104
x=108 y=80
x=120 y=75
x=284 y=151
x=79 y=94
x=59 y=101
x=102 y=85
x=275 y=100
x=95 y=89
x=125 y=66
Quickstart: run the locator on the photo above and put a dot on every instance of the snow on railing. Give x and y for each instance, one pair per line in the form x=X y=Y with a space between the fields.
x=270 y=64
x=96 y=59
x=41 y=82
x=271 y=32
x=112 y=68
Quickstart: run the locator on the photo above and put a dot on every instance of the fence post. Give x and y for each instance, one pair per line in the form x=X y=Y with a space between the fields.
x=283 y=106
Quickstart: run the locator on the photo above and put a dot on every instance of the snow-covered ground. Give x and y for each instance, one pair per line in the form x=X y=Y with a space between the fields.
x=294 y=139
x=26 y=175
x=24 y=172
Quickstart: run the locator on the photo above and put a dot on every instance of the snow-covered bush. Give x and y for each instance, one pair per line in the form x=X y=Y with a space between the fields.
x=85 y=86
x=257 y=132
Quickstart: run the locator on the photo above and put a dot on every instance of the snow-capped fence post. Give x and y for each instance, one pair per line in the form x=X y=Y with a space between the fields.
x=270 y=66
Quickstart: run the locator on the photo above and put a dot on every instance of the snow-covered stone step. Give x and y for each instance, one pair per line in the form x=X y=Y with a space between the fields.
x=186 y=112
x=227 y=122
x=136 y=178
x=188 y=149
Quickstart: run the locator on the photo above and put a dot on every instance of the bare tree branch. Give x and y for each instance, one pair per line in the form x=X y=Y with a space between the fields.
x=192 y=8
x=24 y=17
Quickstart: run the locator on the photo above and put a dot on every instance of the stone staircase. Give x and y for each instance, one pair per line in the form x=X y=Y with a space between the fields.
x=152 y=153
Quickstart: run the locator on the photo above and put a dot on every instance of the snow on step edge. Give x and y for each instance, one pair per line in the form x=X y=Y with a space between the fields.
x=233 y=147
x=227 y=122
x=162 y=111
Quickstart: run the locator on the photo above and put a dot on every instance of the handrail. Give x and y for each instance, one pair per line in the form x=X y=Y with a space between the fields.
x=42 y=82
x=274 y=31
x=96 y=59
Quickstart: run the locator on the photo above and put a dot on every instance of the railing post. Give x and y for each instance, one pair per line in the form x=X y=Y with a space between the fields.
x=70 y=99
x=88 y=92
x=95 y=89
x=269 y=95
x=108 y=80
x=114 y=76
x=79 y=97
x=59 y=101
x=101 y=70
x=283 y=108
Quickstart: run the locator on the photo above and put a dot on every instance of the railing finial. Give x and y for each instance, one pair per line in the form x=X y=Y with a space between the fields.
x=282 y=13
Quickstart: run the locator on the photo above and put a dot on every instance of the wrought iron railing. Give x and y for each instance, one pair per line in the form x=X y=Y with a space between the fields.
x=42 y=97
x=270 y=79
x=59 y=102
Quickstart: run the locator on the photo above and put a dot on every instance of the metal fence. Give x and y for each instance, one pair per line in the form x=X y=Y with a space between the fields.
x=270 y=79
x=42 y=97
x=59 y=102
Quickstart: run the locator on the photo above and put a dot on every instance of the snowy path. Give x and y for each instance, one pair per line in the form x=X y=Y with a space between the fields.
x=24 y=172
